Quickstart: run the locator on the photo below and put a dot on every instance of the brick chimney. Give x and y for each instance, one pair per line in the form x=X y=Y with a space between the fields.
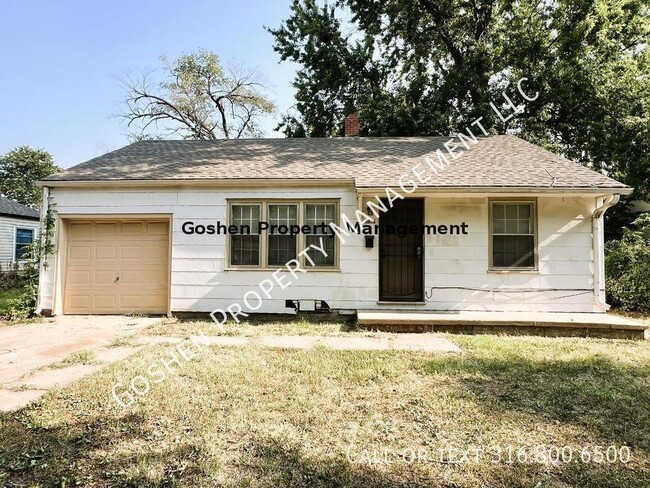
x=352 y=125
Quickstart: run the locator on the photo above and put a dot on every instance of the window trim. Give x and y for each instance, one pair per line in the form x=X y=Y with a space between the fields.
x=535 y=215
x=300 y=202
x=16 y=229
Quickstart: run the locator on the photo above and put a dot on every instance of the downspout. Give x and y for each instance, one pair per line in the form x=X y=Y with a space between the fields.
x=598 y=233
x=45 y=195
x=360 y=200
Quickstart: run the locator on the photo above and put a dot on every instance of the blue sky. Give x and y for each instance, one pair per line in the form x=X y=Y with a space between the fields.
x=60 y=62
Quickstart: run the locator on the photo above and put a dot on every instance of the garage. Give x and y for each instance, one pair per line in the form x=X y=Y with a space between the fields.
x=116 y=266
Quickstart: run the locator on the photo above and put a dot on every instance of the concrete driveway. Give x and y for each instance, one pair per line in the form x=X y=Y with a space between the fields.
x=27 y=352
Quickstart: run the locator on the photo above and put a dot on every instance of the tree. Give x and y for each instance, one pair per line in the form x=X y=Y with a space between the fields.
x=20 y=169
x=197 y=99
x=424 y=67
x=627 y=265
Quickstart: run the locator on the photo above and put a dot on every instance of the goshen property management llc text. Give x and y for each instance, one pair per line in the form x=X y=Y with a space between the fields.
x=401 y=230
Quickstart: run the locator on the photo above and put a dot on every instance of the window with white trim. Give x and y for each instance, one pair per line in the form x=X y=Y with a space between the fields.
x=513 y=235
x=24 y=238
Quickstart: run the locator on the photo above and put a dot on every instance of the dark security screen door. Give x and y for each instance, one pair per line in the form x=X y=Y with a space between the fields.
x=401 y=257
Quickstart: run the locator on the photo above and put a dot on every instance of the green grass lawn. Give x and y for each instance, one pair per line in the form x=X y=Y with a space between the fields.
x=296 y=326
x=266 y=417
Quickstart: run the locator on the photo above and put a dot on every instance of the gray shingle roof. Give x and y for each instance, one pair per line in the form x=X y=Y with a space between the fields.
x=497 y=161
x=9 y=207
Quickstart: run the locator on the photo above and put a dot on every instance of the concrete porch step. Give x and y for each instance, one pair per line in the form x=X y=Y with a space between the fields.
x=534 y=323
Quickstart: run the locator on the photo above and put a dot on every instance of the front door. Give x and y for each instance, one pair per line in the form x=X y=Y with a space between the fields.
x=401 y=254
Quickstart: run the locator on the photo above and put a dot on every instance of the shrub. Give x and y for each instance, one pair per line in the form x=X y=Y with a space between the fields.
x=19 y=308
x=24 y=305
x=9 y=277
x=627 y=265
x=21 y=303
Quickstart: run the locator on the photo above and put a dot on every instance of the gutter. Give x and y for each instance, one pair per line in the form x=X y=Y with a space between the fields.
x=324 y=182
x=503 y=190
x=598 y=235
x=14 y=216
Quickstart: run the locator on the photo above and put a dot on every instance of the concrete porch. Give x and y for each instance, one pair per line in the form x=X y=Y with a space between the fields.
x=516 y=323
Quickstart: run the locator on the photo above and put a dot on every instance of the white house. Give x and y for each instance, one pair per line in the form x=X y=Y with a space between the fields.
x=492 y=224
x=18 y=229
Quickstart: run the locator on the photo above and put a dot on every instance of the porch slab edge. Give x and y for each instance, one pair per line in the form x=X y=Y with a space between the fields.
x=560 y=324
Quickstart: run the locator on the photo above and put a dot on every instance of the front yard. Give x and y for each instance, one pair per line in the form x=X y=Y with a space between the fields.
x=250 y=416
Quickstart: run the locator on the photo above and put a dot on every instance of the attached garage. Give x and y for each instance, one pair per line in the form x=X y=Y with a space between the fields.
x=116 y=266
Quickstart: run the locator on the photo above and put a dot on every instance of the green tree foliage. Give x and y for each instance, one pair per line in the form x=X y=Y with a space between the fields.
x=20 y=169
x=627 y=263
x=425 y=67
x=196 y=97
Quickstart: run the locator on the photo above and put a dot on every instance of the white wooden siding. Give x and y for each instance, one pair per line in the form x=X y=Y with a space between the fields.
x=8 y=235
x=456 y=266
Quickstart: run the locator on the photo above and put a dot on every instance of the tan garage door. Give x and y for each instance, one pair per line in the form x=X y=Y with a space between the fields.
x=115 y=267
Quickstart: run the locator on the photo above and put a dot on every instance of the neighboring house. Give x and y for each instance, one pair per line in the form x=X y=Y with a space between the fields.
x=508 y=226
x=18 y=229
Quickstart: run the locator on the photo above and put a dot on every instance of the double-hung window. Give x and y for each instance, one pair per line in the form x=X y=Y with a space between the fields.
x=24 y=239
x=319 y=216
x=513 y=235
x=282 y=246
x=271 y=245
x=245 y=246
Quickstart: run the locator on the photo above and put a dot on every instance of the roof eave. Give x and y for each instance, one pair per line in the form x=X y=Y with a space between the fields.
x=214 y=183
x=17 y=216
x=322 y=182
x=511 y=189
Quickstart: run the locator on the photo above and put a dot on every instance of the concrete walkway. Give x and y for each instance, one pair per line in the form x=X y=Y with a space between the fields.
x=27 y=353
x=398 y=342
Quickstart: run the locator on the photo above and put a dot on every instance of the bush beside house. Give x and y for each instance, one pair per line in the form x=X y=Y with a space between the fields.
x=9 y=276
x=18 y=287
x=10 y=289
x=627 y=263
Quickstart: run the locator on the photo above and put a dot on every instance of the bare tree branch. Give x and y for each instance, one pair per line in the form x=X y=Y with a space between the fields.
x=196 y=98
